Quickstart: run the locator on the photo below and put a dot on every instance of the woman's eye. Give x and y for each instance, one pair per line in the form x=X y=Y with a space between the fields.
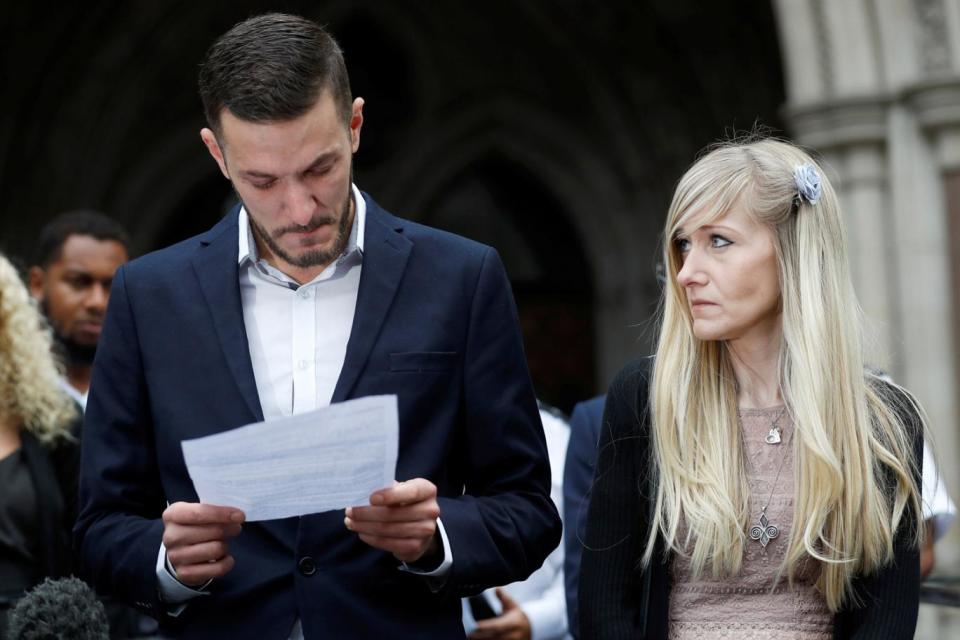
x=719 y=241
x=683 y=245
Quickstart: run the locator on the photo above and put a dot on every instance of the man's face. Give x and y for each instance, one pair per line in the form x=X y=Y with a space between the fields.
x=74 y=290
x=293 y=178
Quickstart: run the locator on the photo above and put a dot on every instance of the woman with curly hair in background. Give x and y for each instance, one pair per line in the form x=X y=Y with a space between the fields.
x=39 y=449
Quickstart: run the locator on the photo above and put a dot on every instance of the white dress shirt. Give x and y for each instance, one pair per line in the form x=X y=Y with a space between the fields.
x=937 y=505
x=541 y=596
x=76 y=394
x=297 y=336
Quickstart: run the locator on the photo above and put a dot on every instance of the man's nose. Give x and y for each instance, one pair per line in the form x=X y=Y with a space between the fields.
x=301 y=205
x=98 y=297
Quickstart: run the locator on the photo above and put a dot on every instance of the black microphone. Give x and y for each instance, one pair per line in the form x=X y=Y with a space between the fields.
x=59 y=610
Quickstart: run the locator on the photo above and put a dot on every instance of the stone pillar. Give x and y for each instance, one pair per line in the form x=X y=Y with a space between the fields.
x=875 y=89
x=850 y=136
x=937 y=109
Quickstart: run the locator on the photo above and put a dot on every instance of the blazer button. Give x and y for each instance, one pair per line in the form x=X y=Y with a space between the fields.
x=307 y=566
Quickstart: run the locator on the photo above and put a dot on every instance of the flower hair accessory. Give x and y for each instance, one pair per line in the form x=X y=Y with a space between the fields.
x=808 y=182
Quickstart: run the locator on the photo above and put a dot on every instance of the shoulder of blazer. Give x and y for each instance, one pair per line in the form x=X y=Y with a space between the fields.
x=158 y=263
x=632 y=386
x=436 y=241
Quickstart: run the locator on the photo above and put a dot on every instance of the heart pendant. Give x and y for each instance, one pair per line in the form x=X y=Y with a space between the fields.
x=773 y=437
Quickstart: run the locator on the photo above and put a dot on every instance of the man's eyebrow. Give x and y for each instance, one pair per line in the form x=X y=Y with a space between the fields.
x=258 y=174
x=323 y=157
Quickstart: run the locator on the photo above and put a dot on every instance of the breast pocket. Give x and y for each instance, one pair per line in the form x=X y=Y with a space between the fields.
x=420 y=361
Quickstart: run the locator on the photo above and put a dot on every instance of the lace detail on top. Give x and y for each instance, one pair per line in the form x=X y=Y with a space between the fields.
x=744 y=606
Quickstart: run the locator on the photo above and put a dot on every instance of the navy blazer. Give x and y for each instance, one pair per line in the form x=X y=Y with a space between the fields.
x=435 y=324
x=577 y=479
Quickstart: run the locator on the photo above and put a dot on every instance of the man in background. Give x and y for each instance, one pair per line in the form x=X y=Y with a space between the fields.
x=74 y=260
x=76 y=255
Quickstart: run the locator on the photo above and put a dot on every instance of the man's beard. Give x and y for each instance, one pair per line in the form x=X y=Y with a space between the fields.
x=73 y=352
x=312 y=257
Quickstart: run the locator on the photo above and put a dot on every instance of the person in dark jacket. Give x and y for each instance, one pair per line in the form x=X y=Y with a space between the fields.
x=754 y=479
x=39 y=456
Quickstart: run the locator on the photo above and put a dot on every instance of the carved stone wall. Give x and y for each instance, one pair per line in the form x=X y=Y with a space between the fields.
x=875 y=87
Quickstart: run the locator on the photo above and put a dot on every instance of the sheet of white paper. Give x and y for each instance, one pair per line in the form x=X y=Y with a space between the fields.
x=331 y=458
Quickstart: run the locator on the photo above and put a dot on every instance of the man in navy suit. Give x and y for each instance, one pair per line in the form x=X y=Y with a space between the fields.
x=585 y=424
x=309 y=293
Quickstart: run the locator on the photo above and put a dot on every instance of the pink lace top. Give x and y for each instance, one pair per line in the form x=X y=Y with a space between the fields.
x=744 y=606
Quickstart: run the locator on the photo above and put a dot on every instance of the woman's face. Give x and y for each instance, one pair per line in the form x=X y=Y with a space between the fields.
x=729 y=274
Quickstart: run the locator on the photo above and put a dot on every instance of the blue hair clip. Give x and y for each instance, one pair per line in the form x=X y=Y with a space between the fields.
x=807 y=179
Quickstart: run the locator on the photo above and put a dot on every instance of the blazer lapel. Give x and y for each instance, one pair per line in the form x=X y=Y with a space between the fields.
x=385 y=256
x=215 y=264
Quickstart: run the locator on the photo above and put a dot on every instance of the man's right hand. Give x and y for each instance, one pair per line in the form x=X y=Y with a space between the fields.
x=195 y=537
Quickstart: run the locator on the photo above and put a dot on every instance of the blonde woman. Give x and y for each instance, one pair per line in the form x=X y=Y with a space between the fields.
x=753 y=481
x=39 y=458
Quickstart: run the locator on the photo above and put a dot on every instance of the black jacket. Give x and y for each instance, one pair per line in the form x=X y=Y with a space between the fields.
x=55 y=471
x=620 y=599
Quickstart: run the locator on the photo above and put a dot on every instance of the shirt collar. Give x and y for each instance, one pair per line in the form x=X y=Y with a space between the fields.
x=73 y=392
x=248 y=247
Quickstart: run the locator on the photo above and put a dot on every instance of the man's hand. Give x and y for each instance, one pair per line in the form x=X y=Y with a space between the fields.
x=512 y=624
x=401 y=520
x=195 y=536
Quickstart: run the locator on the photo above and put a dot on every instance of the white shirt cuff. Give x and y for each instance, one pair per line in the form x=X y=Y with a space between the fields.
x=547 y=616
x=436 y=577
x=172 y=591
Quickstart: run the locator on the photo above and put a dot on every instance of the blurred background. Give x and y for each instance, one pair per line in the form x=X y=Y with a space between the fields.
x=554 y=131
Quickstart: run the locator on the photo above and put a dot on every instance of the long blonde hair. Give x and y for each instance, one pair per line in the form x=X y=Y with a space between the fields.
x=30 y=394
x=852 y=436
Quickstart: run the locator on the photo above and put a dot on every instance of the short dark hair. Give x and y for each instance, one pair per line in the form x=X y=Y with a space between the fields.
x=76 y=223
x=272 y=68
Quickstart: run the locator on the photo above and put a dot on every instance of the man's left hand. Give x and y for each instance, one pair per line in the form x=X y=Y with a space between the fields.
x=401 y=520
x=512 y=624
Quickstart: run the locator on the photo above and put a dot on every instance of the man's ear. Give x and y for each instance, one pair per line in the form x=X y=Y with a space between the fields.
x=356 y=121
x=35 y=281
x=210 y=140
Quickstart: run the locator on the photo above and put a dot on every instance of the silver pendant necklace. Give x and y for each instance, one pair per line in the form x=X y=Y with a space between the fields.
x=773 y=436
x=765 y=531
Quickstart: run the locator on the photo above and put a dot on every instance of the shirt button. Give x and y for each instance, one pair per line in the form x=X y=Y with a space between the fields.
x=303 y=364
x=303 y=293
x=307 y=566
